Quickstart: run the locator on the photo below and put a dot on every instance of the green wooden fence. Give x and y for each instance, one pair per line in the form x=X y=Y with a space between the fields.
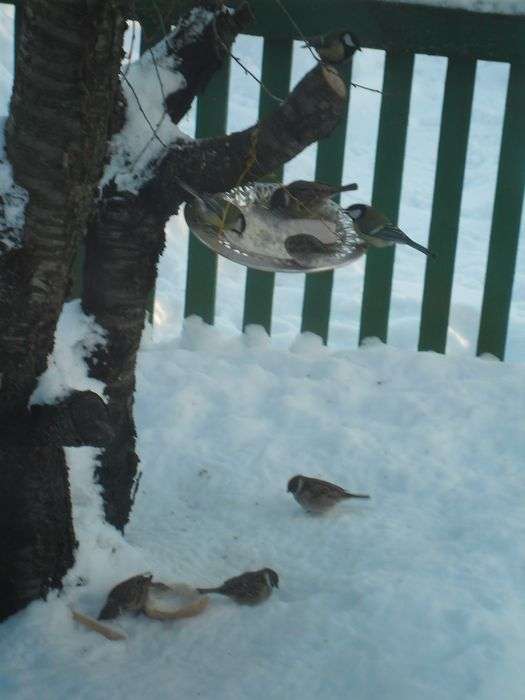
x=402 y=30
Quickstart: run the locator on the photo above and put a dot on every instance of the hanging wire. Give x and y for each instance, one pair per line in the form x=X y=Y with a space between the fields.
x=309 y=46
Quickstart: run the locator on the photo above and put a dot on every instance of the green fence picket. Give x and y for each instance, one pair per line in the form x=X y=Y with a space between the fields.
x=390 y=156
x=201 y=276
x=450 y=169
x=506 y=218
x=276 y=71
x=329 y=168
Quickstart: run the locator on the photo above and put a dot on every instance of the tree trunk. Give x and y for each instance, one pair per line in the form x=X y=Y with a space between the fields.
x=67 y=103
x=67 y=67
x=127 y=236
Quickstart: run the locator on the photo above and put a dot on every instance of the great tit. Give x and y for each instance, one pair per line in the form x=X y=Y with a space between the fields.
x=335 y=47
x=220 y=214
x=249 y=588
x=377 y=230
x=215 y=211
x=304 y=199
x=316 y=495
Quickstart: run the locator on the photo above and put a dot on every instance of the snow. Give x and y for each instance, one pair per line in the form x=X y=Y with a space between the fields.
x=13 y=200
x=145 y=84
x=506 y=7
x=79 y=336
x=417 y=593
x=135 y=148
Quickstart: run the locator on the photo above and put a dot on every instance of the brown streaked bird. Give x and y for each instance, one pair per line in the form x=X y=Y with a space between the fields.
x=375 y=229
x=304 y=199
x=336 y=47
x=316 y=495
x=249 y=588
x=305 y=249
x=128 y=596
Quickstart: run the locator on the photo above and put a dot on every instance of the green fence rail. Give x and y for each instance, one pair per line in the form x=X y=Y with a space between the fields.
x=402 y=30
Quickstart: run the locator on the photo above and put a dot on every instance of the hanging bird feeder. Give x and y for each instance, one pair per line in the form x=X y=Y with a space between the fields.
x=268 y=239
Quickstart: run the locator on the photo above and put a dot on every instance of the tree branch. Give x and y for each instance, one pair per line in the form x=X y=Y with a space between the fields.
x=199 y=58
x=309 y=113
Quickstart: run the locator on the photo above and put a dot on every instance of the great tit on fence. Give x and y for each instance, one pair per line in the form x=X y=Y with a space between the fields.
x=377 y=230
x=249 y=588
x=304 y=199
x=316 y=495
x=335 y=47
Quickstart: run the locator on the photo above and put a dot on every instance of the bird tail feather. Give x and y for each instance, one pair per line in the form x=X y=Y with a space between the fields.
x=355 y=495
x=349 y=187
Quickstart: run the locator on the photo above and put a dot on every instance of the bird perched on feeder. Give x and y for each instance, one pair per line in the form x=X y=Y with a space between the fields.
x=130 y=595
x=220 y=214
x=316 y=495
x=306 y=249
x=304 y=199
x=376 y=230
x=215 y=211
x=336 y=47
x=249 y=588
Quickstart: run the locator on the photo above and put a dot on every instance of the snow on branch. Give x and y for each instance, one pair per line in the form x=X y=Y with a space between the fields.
x=310 y=112
x=159 y=89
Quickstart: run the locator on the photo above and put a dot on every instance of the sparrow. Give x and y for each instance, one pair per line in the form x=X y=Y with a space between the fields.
x=249 y=588
x=303 y=199
x=130 y=595
x=335 y=47
x=317 y=496
x=376 y=230
x=305 y=249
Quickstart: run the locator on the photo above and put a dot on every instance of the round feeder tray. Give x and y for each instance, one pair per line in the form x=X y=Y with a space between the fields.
x=262 y=243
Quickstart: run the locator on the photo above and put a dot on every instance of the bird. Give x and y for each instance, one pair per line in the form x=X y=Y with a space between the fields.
x=317 y=496
x=306 y=249
x=375 y=229
x=129 y=595
x=336 y=47
x=249 y=588
x=304 y=199
x=215 y=211
x=220 y=214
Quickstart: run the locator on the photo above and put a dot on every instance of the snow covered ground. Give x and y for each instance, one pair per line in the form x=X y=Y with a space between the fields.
x=414 y=595
x=417 y=593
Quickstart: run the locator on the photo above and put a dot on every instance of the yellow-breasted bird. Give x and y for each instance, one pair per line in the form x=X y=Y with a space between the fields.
x=304 y=199
x=375 y=229
x=215 y=211
x=335 y=47
x=220 y=214
x=249 y=588
x=316 y=495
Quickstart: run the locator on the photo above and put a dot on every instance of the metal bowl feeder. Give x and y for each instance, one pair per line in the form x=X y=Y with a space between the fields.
x=262 y=243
